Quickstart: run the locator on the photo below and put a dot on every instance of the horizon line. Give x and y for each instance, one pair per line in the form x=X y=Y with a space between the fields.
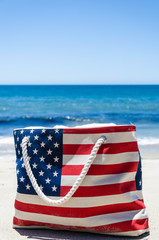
x=119 y=84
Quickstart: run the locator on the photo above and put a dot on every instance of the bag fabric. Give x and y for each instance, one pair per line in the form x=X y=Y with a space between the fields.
x=51 y=162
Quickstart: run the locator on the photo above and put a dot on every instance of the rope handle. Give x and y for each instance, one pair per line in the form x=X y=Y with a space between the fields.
x=78 y=181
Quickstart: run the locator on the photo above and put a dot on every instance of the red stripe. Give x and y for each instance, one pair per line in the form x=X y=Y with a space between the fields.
x=79 y=212
x=108 y=129
x=101 y=169
x=102 y=190
x=132 y=225
x=108 y=148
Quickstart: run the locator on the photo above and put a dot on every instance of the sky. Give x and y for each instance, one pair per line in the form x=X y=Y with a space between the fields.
x=79 y=42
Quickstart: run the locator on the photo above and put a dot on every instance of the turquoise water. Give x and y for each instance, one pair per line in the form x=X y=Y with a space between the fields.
x=22 y=106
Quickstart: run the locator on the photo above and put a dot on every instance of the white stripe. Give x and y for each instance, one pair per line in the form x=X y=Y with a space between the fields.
x=85 y=202
x=99 y=180
x=102 y=159
x=94 y=221
x=129 y=233
x=116 y=137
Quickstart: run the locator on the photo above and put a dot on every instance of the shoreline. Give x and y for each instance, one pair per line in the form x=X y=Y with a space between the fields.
x=148 y=151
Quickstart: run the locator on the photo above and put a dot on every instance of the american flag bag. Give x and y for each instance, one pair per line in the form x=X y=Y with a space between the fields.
x=83 y=178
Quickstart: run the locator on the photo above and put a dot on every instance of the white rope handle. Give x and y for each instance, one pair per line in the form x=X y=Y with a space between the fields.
x=77 y=183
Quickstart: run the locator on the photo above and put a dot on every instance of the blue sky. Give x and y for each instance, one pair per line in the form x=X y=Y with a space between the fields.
x=79 y=42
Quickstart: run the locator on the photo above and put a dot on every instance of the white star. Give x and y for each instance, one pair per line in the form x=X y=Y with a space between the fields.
x=49 y=137
x=14 y=132
x=43 y=131
x=21 y=145
x=55 y=174
x=21 y=159
x=29 y=158
x=34 y=165
x=28 y=187
x=17 y=139
x=31 y=131
x=56 y=159
x=36 y=137
x=42 y=144
x=49 y=152
x=41 y=173
x=42 y=159
x=56 y=145
x=47 y=180
x=17 y=171
x=21 y=132
x=29 y=144
x=22 y=179
x=49 y=166
x=56 y=130
x=41 y=187
x=35 y=151
x=23 y=165
x=54 y=188
x=18 y=151
x=140 y=183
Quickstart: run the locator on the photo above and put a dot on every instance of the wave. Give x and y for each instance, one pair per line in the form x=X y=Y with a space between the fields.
x=57 y=119
x=6 y=120
x=100 y=117
x=6 y=145
x=146 y=141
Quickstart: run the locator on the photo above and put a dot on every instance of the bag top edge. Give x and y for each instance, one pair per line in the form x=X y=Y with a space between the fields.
x=130 y=127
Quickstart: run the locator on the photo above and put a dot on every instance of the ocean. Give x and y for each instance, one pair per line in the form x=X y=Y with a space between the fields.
x=44 y=105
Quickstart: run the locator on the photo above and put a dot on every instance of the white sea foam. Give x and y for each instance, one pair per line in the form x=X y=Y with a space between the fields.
x=6 y=146
x=146 y=141
x=6 y=140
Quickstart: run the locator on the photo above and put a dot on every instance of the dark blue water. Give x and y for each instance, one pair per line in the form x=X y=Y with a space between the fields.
x=22 y=106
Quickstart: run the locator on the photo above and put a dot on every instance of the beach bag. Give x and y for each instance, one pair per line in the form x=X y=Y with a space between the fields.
x=83 y=178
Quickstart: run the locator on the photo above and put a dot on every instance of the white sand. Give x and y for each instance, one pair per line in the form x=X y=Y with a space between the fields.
x=8 y=189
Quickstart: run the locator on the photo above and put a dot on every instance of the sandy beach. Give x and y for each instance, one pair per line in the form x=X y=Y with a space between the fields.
x=150 y=162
